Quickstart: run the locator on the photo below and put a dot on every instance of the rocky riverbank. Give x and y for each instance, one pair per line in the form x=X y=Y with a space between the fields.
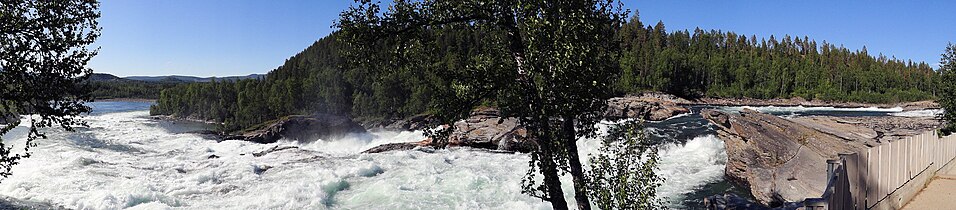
x=906 y=106
x=486 y=129
x=301 y=128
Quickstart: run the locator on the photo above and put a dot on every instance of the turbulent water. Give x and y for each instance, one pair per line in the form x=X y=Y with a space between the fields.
x=127 y=160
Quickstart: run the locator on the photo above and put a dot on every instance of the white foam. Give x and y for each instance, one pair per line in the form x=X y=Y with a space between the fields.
x=919 y=113
x=126 y=161
x=688 y=167
x=679 y=116
x=790 y=109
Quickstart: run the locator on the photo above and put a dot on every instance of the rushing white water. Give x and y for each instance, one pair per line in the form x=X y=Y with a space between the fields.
x=919 y=113
x=126 y=161
x=790 y=109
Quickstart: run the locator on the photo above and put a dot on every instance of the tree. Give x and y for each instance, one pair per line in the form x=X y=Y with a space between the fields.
x=549 y=64
x=43 y=73
x=947 y=88
x=622 y=174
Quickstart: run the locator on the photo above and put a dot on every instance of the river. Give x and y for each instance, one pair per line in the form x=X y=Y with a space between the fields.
x=126 y=160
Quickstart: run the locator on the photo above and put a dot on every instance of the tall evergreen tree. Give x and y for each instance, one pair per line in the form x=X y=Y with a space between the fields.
x=947 y=86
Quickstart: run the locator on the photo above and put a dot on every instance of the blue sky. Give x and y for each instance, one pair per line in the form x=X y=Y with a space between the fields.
x=239 y=37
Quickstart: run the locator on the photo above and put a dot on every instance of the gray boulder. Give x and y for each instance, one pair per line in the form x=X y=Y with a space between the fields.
x=642 y=108
x=486 y=129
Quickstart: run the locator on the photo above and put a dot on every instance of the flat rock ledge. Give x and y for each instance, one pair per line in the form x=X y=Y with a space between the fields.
x=781 y=161
x=871 y=130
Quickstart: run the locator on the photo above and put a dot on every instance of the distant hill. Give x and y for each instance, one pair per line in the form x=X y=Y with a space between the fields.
x=108 y=86
x=103 y=77
x=178 y=78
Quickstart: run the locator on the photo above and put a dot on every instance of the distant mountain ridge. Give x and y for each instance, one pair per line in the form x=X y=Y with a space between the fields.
x=171 y=78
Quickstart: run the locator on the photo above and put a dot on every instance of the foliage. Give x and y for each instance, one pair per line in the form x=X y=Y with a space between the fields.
x=947 y=84
x=622 y=174
x=43 y=73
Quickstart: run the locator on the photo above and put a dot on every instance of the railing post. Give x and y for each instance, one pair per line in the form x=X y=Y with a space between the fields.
x=831 y=165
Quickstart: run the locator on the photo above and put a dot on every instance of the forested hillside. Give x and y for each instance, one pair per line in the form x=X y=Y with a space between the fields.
x=690 y=64
x=124 y=88
x=725 y=64
x=108 y=86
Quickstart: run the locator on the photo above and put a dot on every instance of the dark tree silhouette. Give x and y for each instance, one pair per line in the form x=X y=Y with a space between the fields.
x=43 y=74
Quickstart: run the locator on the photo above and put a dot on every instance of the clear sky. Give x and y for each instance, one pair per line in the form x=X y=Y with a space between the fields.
x=239 y=37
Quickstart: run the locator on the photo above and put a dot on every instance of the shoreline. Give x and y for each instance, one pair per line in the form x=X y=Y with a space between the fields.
x=186 y=119
x=125 y=100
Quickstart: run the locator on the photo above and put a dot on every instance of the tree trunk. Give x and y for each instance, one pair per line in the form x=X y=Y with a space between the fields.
x=550 y=170
x=577 y=173
x=539 y=126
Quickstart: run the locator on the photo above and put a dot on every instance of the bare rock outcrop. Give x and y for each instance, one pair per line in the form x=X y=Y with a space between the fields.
x=779 y=160
x=302 y=128
x=643 y=107
x=485 y=129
